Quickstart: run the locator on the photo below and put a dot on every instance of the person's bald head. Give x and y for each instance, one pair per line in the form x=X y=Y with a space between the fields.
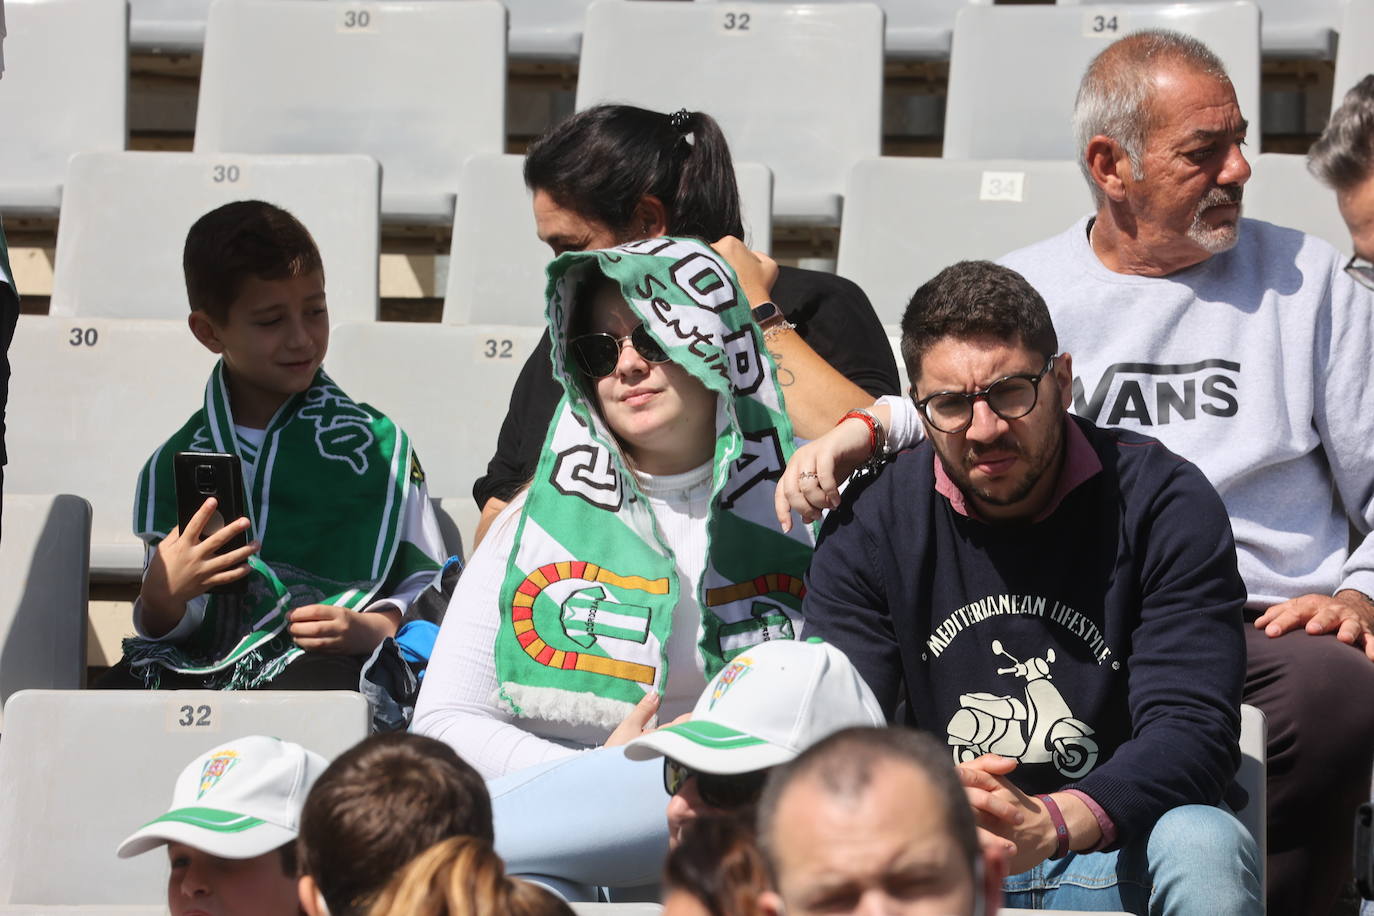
x=1117 y=93
x=872 y=819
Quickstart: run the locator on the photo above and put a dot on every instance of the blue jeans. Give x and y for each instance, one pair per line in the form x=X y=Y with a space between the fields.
x=1197 y=859
x=597 y=818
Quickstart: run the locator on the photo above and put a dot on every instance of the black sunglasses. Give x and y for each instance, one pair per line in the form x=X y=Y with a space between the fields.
x=1361 y=271
x=724 y=791
x=597 y=354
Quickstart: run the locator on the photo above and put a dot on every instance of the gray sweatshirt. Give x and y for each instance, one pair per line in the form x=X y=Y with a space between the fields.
x=1256 y=366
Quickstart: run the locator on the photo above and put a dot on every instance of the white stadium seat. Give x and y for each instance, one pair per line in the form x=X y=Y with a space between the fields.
x=1282 y=191
x=1014 y=70
x=125 y=217
x=82 y=769
x=90 y=399
x=1254 y=734
x=546 y=29
x=168 y=26
x=418 y=86
x=43 y=578
x=914 y=30
x=1290 y=28
x=1355 y=56
x=796 y=87
x=448 y=387
x=65 y=90
x=906 y=219
x=496 y=268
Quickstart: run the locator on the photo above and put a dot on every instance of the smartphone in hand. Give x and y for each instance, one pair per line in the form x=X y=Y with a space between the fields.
x=199 y=476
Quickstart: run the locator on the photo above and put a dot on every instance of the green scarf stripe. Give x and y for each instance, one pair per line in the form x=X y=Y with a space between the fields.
x=327 y=503
x=587 y=602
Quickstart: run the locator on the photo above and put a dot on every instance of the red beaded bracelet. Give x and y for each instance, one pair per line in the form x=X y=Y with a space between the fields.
x=1061 y=829
x=875 y=434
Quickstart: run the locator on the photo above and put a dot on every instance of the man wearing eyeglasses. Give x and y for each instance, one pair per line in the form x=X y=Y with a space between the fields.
x=1343 y=158
x=1059 y=603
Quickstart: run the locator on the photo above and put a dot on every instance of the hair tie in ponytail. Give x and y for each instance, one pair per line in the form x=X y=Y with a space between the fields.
x=680 y=121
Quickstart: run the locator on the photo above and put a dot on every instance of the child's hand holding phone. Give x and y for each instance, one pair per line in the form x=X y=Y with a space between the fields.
x=186 y=565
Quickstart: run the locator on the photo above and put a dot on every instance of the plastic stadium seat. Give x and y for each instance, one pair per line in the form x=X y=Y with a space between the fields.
x=125 y=216
x=1254 y=733
x=915 y=31
x=546 y=29
x=616 y=909
x=420 y=86
x=1355 y=57
x=496 y=269
x=90 y=399
x=1291 y=28
x=66 y=85
x=82 y=769
x=1282 y=191
x=168 y=26
x=796 y=87
x=447 y=386
x=1014 y=70
x=906 y=219
x=43 y=577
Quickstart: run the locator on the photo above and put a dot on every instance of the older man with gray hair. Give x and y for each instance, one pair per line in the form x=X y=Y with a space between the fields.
x=1244 y=347
x=1343 y=158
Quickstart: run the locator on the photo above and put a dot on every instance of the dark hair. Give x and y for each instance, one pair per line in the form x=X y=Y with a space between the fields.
x=975 y=299
x=243 y=239
x=463 y=876
x=1343 y=155
x=601 y=162
x=718 y=863
x=287 y=853
x=844 y=764
x=380 y=804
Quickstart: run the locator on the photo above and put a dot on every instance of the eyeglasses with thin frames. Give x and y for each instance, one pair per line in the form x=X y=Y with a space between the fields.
x=1361 y=270
x=1010 y=397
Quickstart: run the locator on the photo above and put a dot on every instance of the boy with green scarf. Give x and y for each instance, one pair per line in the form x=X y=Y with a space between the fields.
x=341 y=531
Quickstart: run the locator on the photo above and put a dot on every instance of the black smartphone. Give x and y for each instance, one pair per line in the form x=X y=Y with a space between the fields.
x=1364 y=855
x=200 y=475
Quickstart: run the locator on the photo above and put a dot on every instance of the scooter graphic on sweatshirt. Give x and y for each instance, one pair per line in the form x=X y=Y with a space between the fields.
x=1040 y=730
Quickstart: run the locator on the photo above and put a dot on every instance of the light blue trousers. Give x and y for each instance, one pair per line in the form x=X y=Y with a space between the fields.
x=1197 y=859
x=594 y=819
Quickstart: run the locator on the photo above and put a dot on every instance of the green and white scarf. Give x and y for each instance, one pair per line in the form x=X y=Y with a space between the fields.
x=587 y=602
x=326 y=496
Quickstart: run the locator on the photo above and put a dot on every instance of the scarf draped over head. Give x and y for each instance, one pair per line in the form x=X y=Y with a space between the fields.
x=588 y=598
x=325 y=492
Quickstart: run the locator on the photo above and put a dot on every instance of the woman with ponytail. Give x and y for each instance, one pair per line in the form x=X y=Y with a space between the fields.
x=614 y=174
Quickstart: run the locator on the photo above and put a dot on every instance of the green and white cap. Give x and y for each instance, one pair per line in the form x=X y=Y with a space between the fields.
x=240 y=800
x=765 y=707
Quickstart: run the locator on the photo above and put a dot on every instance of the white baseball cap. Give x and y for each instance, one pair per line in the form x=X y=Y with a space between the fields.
x=765 y=707
x=240 y=800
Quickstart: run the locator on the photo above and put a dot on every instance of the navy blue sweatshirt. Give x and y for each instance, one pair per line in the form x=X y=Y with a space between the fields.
x=1101 y=644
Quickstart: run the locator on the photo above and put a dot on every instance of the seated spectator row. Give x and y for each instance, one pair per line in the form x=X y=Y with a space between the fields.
x=125 y=216
x=83 y=766
x=421 y=87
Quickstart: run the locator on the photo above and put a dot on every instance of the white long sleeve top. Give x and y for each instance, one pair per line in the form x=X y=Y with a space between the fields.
x=458 y=699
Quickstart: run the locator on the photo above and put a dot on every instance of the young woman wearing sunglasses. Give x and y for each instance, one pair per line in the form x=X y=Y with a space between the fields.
x=642 y=557
x=615 y=173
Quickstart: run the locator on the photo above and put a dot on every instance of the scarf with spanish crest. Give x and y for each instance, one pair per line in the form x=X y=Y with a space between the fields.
x=326 y=493
x=588 y=598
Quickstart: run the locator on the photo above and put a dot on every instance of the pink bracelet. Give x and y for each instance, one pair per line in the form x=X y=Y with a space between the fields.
x=1061 y=829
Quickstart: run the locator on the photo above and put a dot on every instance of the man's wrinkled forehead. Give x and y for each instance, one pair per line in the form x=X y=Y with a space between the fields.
x=1168 y=82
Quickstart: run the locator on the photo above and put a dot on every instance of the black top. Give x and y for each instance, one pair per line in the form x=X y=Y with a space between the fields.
x=831 y=314
x=1101 y=646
